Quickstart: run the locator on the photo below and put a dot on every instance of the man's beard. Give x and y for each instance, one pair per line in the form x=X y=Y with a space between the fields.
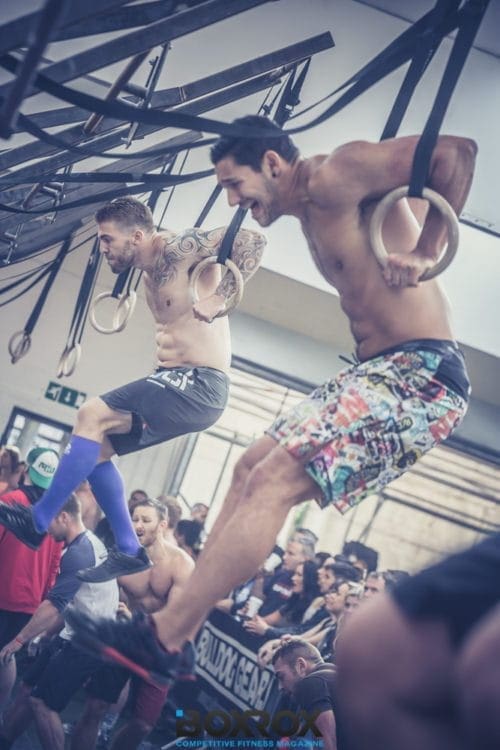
x=125 y=261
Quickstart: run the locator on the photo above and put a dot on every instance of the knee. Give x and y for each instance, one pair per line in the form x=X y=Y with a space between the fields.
x=90 y=413
x=37 y=705
x=259 y=477
x=95 y=709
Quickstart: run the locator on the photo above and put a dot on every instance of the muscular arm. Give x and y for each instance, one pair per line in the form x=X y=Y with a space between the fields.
x=195 y=244
x=181 y=570
x=248 y=247
x=326 y=725
x=359 y=174
x=46 y=617
x=247 y=250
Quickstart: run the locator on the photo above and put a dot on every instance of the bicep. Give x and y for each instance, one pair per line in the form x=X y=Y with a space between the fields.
x=362 y=171
x=198 y=242
x=180 y=575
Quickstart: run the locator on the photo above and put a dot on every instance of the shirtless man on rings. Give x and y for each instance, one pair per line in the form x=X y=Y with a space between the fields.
x=363 y=428
x=147 y=591
x=186 y=393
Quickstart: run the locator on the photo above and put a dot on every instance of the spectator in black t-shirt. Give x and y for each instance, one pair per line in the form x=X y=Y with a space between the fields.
x=310 y=681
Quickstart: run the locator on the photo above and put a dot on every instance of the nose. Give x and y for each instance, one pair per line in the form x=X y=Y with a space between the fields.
x=232 y=197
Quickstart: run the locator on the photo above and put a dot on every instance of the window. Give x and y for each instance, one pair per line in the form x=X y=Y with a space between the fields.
x=28 y=430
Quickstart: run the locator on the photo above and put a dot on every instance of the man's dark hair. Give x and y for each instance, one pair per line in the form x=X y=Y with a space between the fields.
x=359 y=550
x=148 y=503
x=127 y=212
x=296 y=648
x=191 y=531
x=344 y=571
x=249 y=151
x=12 y=451
x=72 y=506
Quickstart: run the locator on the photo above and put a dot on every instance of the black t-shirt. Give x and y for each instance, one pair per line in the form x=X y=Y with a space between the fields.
x=278 y=589
x=316 y=692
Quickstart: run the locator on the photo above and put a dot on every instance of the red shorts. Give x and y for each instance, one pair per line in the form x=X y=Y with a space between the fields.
x=108 y=682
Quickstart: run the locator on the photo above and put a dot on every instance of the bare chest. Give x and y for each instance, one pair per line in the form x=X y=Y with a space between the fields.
x=153 y=583
x=333 y=244
x=168 y=299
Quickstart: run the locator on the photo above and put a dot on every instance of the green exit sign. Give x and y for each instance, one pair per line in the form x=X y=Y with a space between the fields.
x=66 y=396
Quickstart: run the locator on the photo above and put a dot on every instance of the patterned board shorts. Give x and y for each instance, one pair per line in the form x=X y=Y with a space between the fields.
x=364 y=428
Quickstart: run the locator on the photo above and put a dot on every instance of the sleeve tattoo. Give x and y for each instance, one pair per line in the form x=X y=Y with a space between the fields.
x=248 y=247
x=247 y=250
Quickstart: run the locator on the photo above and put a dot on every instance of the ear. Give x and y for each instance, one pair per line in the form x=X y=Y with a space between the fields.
x=138 y=236
x=300 y=666
x=272 y=164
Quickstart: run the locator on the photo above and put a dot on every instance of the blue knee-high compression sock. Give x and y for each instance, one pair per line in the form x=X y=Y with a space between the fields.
x=108 y=488
x=77 y=462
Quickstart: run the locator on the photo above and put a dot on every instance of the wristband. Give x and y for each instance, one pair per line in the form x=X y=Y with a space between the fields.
x=18 y=640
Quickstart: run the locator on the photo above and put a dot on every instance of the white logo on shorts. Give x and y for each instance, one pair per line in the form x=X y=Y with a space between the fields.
x=176 y=379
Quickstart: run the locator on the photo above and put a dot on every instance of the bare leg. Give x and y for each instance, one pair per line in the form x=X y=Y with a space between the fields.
x=396 y=681
x=18 y=716
x=48 y=724
x=85 y=731
x=130 y=736
x=95 y=419
x=479 y=670
x=7 y=679
x=251 y=457
x=255 y=453
x=273 y=486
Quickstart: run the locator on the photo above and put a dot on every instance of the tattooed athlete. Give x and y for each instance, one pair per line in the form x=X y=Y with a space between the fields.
x=186 y=393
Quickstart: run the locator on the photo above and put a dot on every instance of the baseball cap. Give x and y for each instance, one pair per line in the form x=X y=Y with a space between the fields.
x=42 y=464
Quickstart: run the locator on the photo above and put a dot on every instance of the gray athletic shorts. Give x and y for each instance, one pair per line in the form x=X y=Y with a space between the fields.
x=171 y=402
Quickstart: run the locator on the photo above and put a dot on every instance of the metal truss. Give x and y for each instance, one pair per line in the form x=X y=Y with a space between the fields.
x=36 y=177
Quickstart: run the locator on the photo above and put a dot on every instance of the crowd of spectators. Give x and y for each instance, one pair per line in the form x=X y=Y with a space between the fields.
x=294 y=607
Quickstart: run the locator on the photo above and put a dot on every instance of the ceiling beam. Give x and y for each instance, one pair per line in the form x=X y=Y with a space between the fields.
x=179 y=94
x=41 y=35
x=145 y=39
x=15 y=33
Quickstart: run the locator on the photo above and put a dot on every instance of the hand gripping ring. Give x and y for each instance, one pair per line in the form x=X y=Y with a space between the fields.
x=69 y=360
x=126 y=303
x=20 y=348
x=235 y=299
x=436 y=200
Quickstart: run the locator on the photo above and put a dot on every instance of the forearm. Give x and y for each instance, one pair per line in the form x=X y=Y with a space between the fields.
x=450 y=175
x=327 y=726
x=46 y=617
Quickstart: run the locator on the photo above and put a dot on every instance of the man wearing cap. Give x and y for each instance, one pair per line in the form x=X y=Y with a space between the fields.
x=27 y=575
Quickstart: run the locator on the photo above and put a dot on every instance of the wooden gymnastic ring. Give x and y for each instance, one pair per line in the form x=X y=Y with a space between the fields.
x=436 y=200
x=235 y=299
x=18 y=350
x=69 y=360
x=124 y=300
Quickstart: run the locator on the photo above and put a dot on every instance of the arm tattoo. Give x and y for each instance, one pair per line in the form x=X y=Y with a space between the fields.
x=197 y=244
x=175 y=249
x=247 y=251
